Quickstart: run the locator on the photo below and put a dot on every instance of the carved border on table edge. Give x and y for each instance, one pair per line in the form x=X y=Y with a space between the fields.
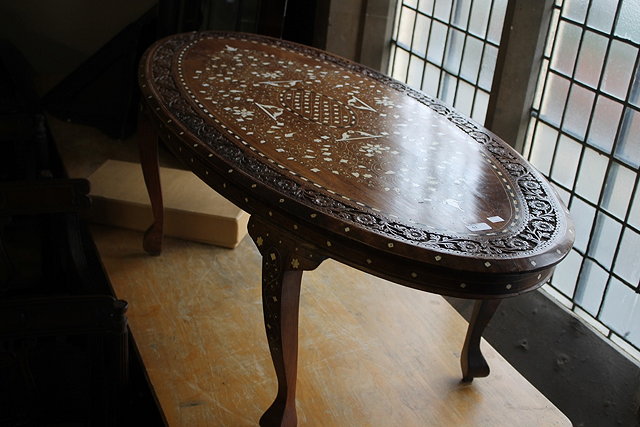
x=540 y=228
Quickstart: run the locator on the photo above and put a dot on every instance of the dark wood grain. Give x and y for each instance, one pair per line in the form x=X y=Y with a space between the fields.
x=148 y=145
x=472 y=361
x=283 y=261
x=451 y=178
x=349 y=164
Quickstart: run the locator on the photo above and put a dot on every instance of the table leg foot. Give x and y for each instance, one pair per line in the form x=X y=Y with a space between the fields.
x=152 y=239
x=148 y=145
x=280 y=301
x=472 y=361
x=283 y=262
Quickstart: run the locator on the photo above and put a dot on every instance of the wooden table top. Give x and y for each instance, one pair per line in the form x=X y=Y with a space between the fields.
x=358 y=164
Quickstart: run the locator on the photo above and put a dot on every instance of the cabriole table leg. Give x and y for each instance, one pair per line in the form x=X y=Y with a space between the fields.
x=283 y=262
x=472 y=361
x=148 y=145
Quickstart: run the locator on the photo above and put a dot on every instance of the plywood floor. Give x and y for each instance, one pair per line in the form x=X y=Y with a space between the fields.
x=372 y=353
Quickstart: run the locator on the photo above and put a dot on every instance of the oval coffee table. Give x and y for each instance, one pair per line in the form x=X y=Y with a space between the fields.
x=334 y=160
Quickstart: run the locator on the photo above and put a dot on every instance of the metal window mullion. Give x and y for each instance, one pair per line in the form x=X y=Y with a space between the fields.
x=611 y=160
x=484 y=49
x=463 y=32
x=394 y=38
x=546 y=78
x=623 y=40
x=566 y=104
x=555 y=149
x=444 y=53
x=599 y=264
x=453 y=74
x=451 y=24
x=462 y=54
x=597 y=90
x=482 y=56
x=547 y=58
x=611 y=333
x=557 y=142
x=514 y=84
x=583 y=146
x=398 y=12
x=625 y=225
x=572 y=193
x=593 y=205
x=600 y=209
x=411 y=55
x=633 y=91
x=397 y=41
x=426 y=60
x=611 y=35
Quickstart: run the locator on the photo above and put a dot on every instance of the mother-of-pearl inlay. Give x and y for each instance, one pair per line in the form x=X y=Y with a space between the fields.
x=335 y=144
x=342 y=130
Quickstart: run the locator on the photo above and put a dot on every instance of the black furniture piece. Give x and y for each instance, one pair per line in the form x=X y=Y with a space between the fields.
x=64 y=342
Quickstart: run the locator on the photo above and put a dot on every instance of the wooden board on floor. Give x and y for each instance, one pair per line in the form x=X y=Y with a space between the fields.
x=193 y=211
x=371 y=352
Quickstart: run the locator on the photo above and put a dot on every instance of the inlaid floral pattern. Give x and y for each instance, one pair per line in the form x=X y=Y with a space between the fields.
x=349 y=138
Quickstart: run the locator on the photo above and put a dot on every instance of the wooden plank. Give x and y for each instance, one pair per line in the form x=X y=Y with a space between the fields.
x=193 y=210
x=371 y=352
